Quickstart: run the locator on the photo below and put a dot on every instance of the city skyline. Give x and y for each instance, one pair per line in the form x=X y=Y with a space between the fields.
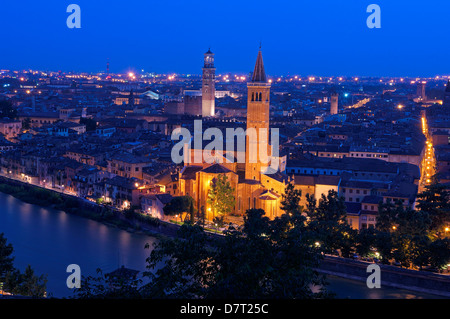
x=215 y=150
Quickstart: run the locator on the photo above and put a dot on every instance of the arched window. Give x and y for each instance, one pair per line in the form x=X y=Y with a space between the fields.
x=260 y=96
x=253 y=96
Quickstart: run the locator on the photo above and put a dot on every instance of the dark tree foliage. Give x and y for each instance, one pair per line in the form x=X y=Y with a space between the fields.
x=179 y=205
x=6 y=258
x=262 y=259
x=15 y=282
x=435 y=201
x=25 y=284
x=328 y=221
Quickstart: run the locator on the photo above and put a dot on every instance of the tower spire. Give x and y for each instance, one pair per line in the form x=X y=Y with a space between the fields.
x=259 y=74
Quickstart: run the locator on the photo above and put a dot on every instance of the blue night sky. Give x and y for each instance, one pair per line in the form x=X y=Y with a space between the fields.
x=301 y=37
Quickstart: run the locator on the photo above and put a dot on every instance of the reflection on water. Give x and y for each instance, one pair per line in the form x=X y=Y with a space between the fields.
x=50 y=240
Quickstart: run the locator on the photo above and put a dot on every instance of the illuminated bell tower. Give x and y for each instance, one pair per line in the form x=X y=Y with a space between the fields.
x=258 y=111
x=208 y=85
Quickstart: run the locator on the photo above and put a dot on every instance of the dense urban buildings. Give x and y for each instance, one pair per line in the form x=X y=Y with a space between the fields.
x=107 y=137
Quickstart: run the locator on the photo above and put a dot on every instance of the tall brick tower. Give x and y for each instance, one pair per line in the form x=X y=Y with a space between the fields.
x=421 y=90
x=208 y=85
x=334 y=103
x=258 y=118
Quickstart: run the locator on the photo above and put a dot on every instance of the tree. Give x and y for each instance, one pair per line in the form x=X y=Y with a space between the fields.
x=221 y=196
x=290 y=202
x=439 y=253
x=386 y=218
x=104 y=287
x=435 y=201
x=7 y=110
x=262 y=259
x=179 y=205
x=191 y=212
x=408 y=232
x=365 y=241
x=384 y=245
x=6 y=259
x=328 y=221
x=26 y=284
x=202 y=216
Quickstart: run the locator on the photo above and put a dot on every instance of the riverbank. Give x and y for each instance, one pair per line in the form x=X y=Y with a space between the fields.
x=44 y=197
x=129 y=221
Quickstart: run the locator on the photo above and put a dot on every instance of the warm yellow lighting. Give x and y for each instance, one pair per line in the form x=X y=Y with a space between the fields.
x=394 y=228
x=399 y=106
x=136 y=184
x=131 y=74
x=446 y=229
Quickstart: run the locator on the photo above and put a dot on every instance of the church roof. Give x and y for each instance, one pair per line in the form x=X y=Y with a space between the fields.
x=259 y=75
x=209 y=51
x=189 y=171
x=216 y=169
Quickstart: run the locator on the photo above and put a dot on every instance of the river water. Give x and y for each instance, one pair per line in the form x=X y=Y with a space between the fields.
x=50 y=240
